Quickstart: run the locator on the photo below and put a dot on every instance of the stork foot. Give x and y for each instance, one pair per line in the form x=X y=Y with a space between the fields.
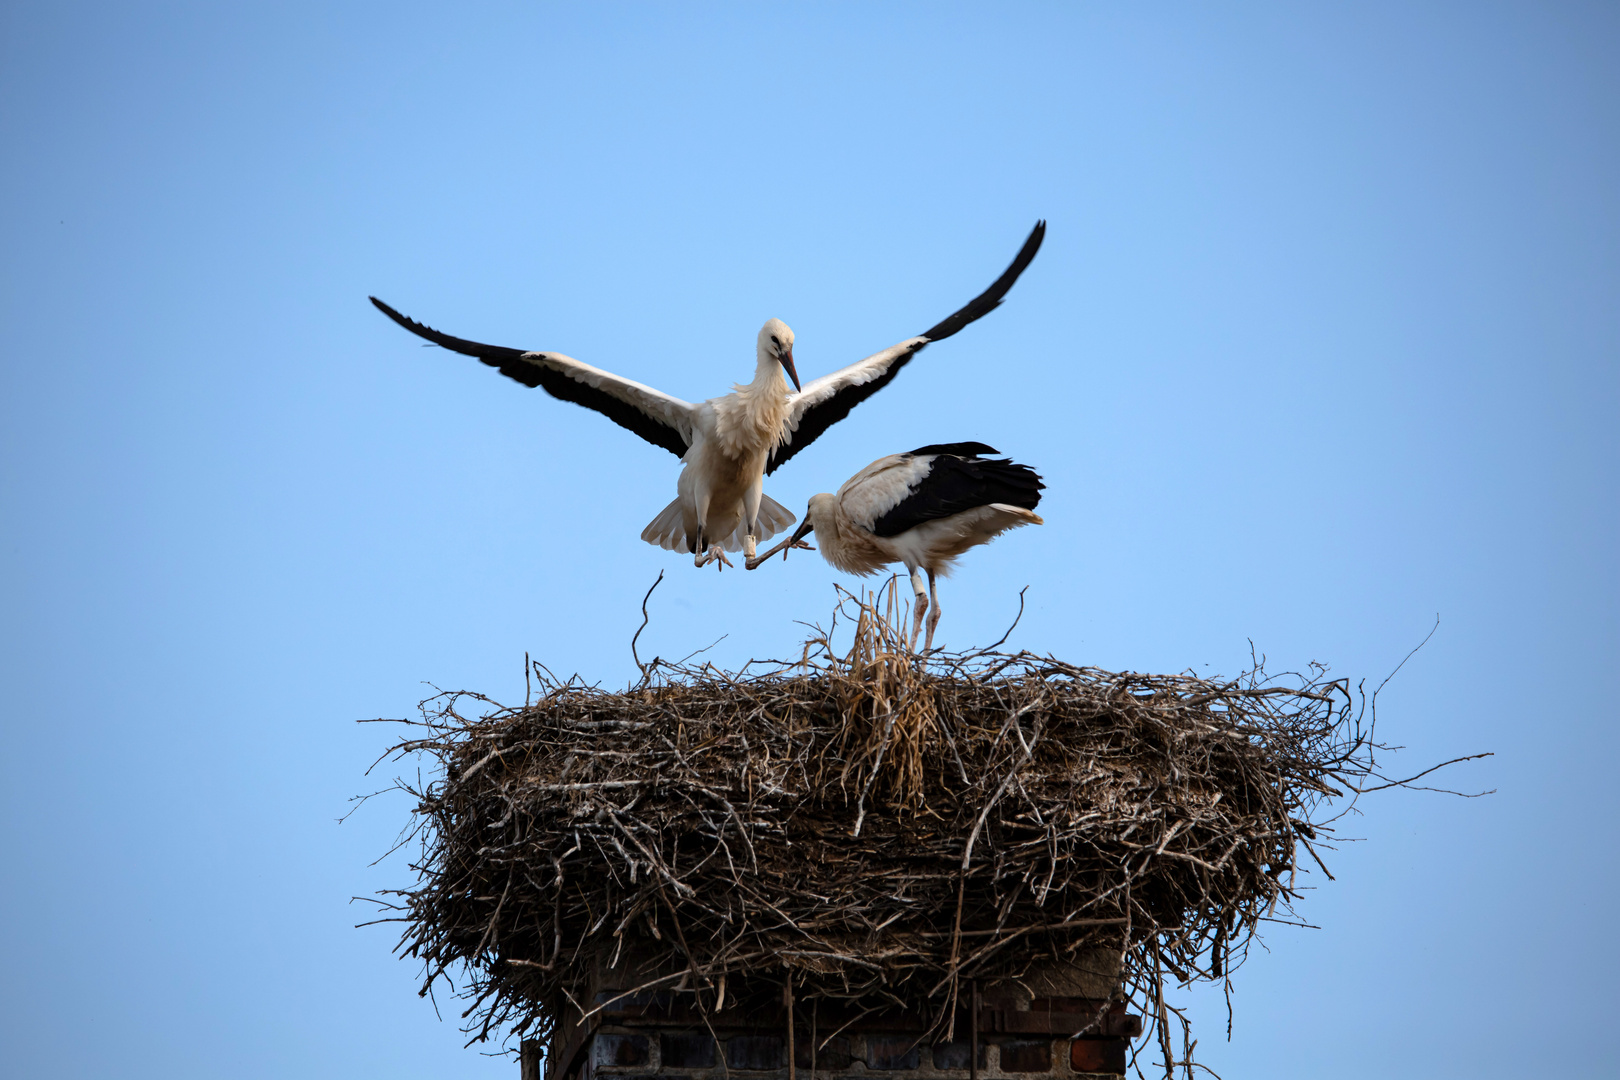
x=716 y=555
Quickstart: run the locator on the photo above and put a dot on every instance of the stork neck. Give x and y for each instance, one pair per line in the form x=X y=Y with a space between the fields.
x=752 y=419
x=768 y=375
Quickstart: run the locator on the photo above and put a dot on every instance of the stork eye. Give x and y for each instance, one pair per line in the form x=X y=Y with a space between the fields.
x=776 y=339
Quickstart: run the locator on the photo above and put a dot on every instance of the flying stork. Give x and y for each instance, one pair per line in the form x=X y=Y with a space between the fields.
x=922 y=509
x=728 y=444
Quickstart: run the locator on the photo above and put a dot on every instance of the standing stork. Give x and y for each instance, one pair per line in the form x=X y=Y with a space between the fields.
x=922 y=509
x=728 y=444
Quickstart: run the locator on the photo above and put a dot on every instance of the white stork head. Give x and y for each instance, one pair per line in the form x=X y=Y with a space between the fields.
x=818 y=516
x=776 y=346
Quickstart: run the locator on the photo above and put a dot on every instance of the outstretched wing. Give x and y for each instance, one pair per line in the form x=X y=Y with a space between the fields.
x=827 y=400
x=660 y=419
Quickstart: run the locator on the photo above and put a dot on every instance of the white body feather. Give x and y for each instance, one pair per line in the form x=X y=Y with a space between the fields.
x=722 y=481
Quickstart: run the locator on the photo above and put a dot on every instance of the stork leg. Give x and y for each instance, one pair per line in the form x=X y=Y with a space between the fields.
x=751 y=518
x=919 y=607
x=933 y=613
x=700 y=514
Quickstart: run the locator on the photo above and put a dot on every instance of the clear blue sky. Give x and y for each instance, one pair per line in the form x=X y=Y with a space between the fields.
x=1323 y=342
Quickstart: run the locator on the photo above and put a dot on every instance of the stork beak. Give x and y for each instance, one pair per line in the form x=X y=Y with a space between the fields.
x=804 y=530
x=787 y=362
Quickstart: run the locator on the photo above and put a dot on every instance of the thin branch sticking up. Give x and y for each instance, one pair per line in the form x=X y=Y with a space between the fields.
x=646 y=674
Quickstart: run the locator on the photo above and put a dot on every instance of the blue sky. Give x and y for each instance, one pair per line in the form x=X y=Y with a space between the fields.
x=1322 y=343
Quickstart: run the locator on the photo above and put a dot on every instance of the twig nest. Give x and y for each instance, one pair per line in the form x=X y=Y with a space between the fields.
x=877 y=828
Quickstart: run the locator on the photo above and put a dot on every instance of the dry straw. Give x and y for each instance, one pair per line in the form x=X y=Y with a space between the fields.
x=873 y=828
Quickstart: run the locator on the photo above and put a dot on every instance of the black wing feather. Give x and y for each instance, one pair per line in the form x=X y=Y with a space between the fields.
x=960 y=449
x=817 y=420
x=991 y=298
x=957 y=483
x=511 y=363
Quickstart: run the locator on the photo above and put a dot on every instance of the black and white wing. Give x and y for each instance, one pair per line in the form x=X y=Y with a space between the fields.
x=902 y=491
x=654 y=415
x=827 y=400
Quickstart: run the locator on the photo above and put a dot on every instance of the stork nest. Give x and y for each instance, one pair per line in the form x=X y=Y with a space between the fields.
x=874 y=827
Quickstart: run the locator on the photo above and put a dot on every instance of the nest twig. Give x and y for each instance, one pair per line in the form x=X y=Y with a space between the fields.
x=876 y=827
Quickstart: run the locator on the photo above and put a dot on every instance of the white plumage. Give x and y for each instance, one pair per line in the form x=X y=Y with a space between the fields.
x=728 y=444
x=922 y=509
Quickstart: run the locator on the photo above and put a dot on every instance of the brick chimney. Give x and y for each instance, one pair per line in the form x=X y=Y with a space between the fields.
x=1056 y=1024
